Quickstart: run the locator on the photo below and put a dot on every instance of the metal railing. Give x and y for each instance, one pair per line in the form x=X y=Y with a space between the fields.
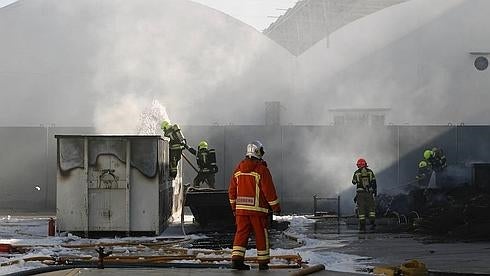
x=318 y=213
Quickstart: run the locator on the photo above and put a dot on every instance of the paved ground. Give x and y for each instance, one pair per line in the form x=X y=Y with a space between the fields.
x=381 y=247
x=180 y=272
x=385 y=248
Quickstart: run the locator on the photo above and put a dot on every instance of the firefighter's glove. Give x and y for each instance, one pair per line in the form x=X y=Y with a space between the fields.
x=234 y=213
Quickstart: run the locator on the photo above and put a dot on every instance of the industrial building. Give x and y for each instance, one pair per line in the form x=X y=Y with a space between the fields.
x=310 y=21
x=328 y=83
x=394 y=153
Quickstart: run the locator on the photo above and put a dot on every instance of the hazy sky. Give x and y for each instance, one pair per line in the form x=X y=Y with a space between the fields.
x=256 y=13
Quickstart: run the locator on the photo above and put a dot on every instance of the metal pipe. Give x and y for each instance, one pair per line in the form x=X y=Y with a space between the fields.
x=128 y=190
x=86 y=190
x=398 y=155
x=184 y=194
x=47 y=168
x=314 y=205
x=338 y=214
x=309 y=270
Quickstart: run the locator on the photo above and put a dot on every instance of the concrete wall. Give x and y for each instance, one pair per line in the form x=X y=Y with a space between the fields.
x=309 y=160
x=28 y=159
x=304 y=160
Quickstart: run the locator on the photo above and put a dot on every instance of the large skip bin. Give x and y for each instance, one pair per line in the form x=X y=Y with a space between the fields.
x=108 y=184
x=211 y=208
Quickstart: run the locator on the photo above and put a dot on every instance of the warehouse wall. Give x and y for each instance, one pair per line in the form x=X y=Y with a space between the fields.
x=304 y=160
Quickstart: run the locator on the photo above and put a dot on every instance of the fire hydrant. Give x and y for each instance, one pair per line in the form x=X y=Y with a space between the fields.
x=51 y=227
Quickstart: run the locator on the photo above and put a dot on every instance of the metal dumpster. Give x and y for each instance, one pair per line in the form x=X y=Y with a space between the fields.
x=211 y=208
x=108 y=184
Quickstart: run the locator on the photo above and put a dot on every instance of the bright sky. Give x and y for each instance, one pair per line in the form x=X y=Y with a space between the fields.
x=256 y=13
x=4 y=3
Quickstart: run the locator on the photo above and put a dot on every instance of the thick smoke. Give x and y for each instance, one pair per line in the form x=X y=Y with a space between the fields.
x=193 y=59
x=209 y=68
x=108 y=59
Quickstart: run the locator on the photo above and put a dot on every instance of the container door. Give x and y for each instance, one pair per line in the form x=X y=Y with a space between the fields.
x=107 y=194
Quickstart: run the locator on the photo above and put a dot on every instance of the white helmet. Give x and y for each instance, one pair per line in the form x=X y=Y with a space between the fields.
x=255 y=149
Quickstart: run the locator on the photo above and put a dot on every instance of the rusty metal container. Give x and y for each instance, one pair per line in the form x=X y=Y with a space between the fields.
x=108 y=184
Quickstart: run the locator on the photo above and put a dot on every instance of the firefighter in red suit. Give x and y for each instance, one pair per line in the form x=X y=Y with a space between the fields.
x=252 y=196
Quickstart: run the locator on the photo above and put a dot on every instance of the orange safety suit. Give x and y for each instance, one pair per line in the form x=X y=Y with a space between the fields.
x=252 y=196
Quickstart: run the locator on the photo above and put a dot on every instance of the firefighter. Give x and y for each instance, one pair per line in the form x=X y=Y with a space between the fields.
x=424 y=174
x=206 y=161
x=176 y=145
x=252 y=196
x=440 y=162
x=429 y=157
x=366 y=190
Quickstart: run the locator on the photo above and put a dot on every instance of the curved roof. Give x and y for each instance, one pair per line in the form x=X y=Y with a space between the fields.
x=309 y=21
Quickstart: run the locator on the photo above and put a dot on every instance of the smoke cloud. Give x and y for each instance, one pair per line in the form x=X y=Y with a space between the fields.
x=193 y=59
x=109 y=58
x=410 y=57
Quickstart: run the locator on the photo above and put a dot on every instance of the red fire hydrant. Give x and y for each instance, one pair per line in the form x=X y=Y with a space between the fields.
x=51 y=227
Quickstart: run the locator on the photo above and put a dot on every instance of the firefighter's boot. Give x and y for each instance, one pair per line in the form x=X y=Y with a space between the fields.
x=239 y=264
x=263 y=267
x=373 y=226
x=362 y=226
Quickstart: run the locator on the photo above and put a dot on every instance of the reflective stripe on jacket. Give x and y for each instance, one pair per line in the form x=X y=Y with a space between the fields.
x=251 y=189
x=364 y=180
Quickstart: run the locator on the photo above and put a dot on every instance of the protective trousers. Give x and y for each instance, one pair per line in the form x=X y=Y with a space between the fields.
x=366 y=207
x=174 y=158
x=245 y=224
x=207 y=178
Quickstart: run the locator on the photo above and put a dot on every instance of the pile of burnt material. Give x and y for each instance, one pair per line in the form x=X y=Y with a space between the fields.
x=459 y=212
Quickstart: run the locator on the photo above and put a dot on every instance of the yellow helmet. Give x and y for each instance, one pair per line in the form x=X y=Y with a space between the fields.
x=202 y=145
x=428 y=154
x=165 y=125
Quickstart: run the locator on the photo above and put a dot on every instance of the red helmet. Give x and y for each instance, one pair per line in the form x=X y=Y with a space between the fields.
x=361 y=163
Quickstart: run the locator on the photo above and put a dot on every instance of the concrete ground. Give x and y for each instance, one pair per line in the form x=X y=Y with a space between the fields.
x=180 y=272
x=394 y=249
x=381 y=247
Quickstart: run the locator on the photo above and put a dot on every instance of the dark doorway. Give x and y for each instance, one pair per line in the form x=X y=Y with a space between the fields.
x=481 y=176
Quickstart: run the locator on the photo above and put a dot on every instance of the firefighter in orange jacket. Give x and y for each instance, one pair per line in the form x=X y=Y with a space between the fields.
x=252 y=196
